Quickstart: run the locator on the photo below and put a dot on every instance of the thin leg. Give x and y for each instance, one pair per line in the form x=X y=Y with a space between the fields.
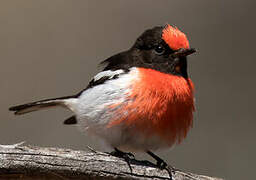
x=162 y=164
x=127 y=156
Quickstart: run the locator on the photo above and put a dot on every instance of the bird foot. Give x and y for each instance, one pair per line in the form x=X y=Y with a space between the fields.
x=127 y=156
x=121 y=154
x=161 y=164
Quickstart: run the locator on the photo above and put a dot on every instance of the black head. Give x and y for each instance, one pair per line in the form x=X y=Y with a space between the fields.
x=161 y=48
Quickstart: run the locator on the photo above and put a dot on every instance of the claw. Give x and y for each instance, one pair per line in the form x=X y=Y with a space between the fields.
x=161 y=164
x=127 y=156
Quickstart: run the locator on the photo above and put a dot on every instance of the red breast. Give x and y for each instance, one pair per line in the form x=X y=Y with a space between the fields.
x=159 y=104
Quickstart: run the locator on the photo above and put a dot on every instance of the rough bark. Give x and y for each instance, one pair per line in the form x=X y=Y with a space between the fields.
x=30 y=162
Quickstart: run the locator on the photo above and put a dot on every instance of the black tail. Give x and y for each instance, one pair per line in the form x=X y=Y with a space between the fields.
x=38 y=105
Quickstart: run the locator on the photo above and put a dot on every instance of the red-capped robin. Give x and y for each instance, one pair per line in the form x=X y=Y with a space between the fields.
x=141 y=101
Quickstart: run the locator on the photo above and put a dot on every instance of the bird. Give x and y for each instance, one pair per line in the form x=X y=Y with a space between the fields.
x=141 y=101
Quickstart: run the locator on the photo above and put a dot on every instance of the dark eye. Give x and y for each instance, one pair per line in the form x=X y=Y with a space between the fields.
x=159 y=50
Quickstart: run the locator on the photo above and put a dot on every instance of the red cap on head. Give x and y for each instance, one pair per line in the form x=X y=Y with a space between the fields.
x=174 y=38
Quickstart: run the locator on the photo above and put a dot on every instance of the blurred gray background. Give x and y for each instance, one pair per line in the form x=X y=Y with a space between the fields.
x=51 y=48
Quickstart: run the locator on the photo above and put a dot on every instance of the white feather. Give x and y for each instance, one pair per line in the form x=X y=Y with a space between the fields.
x=108 y=73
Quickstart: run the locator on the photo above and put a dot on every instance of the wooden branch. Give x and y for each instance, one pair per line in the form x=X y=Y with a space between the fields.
x=30 y=162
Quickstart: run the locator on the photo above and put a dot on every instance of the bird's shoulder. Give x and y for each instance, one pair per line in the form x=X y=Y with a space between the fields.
x=114 y=66
x=102 y=77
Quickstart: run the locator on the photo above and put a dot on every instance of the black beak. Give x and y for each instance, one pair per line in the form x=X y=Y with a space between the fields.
x=183 y=52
